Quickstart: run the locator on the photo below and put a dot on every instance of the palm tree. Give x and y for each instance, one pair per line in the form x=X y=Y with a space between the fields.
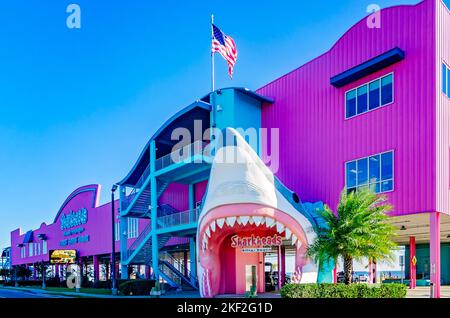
x=360 y=229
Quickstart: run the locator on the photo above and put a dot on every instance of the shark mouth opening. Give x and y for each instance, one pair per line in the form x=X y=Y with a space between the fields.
x=244 y=198
x=245 y=220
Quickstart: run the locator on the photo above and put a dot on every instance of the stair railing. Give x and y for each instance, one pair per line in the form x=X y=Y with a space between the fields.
x=134 y=246
x=180 y=218
x=129 y=198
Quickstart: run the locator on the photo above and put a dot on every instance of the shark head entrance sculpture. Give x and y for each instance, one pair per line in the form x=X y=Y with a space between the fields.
x=246 y=209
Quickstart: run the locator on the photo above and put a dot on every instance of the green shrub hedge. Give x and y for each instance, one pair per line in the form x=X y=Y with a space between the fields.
x=343 y=291
x=137 y=287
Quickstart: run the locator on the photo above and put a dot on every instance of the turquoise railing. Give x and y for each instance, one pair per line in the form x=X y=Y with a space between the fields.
x=184 y=154
x=177 y=219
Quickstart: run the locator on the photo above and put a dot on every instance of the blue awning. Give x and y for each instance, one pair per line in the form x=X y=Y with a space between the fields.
x=28 y=237
x=371 y=66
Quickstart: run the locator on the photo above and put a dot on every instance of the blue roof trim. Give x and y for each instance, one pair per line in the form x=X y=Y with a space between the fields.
x=371 y=66
x=197 y=104
x=28 y=237
x=245 y=91
x=74 y=194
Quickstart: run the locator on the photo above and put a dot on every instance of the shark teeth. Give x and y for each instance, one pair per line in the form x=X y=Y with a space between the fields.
x=294 y=239
x=288 y=233
x=258 y=220
x=231 y=221
x=270 y=222
x=213 y=226
x=244 y=219
x=220 y=222
x=280 y=227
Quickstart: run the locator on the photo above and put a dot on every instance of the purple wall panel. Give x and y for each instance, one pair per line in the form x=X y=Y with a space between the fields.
x=315 y=138
x=442 y=110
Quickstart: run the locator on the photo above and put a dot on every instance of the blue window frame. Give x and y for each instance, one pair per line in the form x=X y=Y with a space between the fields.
x=444 y=78
x=369 y=96
x=375 y=172
x=374 y=95
x=350 y=102
x=387 y=89
x=362 y=100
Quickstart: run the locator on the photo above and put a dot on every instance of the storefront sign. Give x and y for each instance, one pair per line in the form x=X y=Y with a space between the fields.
x=74 y=240
x=256 y=241
x=257 y=250
x=73 y=219
x=63 y=256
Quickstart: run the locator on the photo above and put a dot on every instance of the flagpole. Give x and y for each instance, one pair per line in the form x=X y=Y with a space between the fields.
x=212 y=101
x=212 y=55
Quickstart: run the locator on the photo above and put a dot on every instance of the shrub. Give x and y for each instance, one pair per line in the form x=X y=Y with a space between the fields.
x=343 y=291
x=137 y=287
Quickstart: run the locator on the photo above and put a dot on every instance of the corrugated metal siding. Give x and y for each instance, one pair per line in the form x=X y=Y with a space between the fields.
x=176 y=195
x=316 y=140
x=442 y=110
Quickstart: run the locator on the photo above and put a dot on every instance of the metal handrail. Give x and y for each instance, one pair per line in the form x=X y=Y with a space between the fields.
x=129 y=198
x=139 y=239
x=181 y=218
x=177 y=264
x=179 y=155
x=170 y=274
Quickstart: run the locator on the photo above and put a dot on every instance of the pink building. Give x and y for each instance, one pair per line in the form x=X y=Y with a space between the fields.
x=376 y=91
x=373 y=111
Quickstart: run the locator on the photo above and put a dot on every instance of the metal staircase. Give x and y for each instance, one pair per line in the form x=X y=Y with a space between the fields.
x=175 y=269
x=140 y=252
x=138 y=202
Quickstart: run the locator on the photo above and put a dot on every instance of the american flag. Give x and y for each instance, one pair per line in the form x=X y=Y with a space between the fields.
x=226 y=47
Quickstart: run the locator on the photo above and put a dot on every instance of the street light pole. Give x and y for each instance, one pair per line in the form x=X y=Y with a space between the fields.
x=113 y=254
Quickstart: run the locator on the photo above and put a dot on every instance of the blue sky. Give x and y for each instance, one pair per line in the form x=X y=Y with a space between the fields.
x=77 y=106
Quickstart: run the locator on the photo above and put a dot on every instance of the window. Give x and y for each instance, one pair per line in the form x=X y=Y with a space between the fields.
x=37 y=249
x=133 y=227
x=116 y=231
x=370 y=96
x=374 y=172
x=23 y=252
x=30 y=249
x=444 y=78
x=351 y=104
x=44 y=247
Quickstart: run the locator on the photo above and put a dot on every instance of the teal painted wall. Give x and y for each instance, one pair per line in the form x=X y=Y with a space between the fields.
x=423 y=262
x=237 y=110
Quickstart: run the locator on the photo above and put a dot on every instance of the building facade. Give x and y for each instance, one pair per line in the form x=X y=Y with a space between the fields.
x=372 y=112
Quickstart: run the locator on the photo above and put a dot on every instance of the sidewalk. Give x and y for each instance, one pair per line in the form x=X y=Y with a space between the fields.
x=190 y=294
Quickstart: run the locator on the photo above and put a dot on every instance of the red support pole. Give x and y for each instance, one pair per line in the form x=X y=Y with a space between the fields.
x=412 y=262
x=283 y=265
x=435 y=253
x=335 y=274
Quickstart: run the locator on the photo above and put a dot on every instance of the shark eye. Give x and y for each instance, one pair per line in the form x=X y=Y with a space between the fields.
x=295 y=197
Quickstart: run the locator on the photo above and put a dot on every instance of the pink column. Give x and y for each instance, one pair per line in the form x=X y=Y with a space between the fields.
x=435 y=253
x=412 y=262
x=335 y=274
x=96 y=268
x=283 y=265
x=279 y=267
x=370 y=272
